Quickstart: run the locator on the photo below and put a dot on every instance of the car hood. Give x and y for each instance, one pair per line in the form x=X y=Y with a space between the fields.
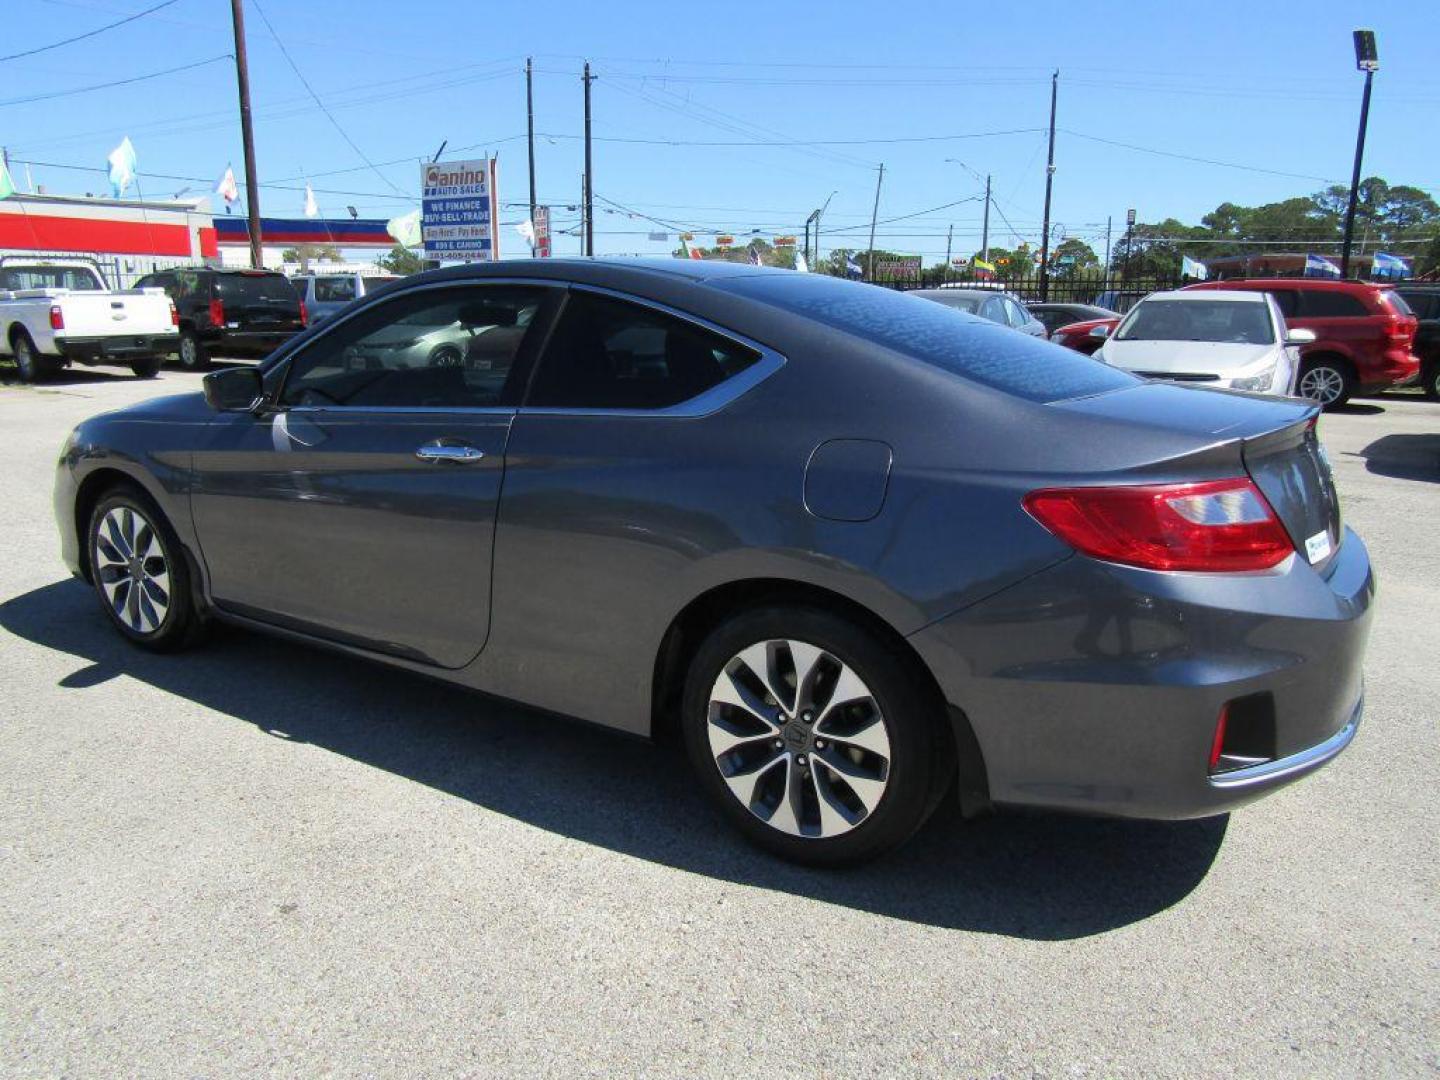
x=1220 y=358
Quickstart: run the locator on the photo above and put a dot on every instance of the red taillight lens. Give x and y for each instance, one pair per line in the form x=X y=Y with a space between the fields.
x=304 y=315
x=1218 y=525
x=217 y=313
x=1400 y=330
x=174 y=314
x=57 y=317
x=1217 y=744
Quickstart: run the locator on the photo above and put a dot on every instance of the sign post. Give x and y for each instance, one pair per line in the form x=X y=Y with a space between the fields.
x=459 y=208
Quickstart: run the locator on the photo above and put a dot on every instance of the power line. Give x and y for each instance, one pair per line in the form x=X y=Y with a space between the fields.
x=88 y=33
x=1202 y=160
x=117 y=82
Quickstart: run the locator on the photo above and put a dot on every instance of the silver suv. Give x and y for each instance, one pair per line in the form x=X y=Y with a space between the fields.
x=325 y=294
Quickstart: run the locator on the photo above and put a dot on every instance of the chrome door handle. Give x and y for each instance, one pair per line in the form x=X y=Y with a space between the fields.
x=437 y=451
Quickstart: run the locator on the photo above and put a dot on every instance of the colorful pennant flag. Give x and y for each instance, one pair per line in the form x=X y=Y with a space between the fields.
x=7 y=186
x=226 y=187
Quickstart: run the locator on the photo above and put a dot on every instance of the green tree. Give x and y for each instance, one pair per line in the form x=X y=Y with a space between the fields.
x=304 y=254
x=400 y=260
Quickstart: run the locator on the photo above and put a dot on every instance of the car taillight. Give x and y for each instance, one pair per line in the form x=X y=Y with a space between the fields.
x=217 y=312
x=304 y=315
x=174 y=314
x=57 y=317
x=1217 y=525
x=1397 y=330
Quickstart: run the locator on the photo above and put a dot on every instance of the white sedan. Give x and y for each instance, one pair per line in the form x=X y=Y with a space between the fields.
x=1227 y=339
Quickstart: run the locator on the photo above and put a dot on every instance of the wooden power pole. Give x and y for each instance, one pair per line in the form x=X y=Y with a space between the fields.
x=247 y=135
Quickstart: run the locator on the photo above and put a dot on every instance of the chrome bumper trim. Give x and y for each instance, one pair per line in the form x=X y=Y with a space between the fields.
x=1304 y=761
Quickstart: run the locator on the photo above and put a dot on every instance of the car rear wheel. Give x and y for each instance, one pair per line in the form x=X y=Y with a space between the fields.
x=31 y=365
x=813 y=737
x=1326 y=382
x=139 y=572
x=193 y=356
x=147 y=367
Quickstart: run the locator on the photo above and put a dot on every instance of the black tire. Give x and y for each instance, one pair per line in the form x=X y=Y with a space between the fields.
x=193 y=356
x=920 y=766
x=32 y=366
x=1430 y=379
x=1330 y=381
x=180 y=623
x=147 y=367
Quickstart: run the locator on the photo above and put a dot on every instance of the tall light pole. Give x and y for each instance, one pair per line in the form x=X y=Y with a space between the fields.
x=589 y=176
x=816 y=216
x=530 y=141
x=1368 y=61
x=1049 y=182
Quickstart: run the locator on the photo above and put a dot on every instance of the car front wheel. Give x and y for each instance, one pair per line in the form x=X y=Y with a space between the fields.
x=139 y=573
x=813 y=736
x=1430 y=380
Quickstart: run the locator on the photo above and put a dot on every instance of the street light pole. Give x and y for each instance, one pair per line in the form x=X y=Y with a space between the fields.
x=818 y=215
x=1367 y=59
x=530 y=138
x=589 y=176
x=875 y=213
x=1049 y=182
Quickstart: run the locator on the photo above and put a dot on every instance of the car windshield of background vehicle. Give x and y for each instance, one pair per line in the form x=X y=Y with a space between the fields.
x=937 y=335
x=48 y=277
x=1217 y=321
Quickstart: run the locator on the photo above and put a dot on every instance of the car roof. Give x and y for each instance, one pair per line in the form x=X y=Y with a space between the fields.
x=1282 y=283
x=977 y=293
x=1244 y=296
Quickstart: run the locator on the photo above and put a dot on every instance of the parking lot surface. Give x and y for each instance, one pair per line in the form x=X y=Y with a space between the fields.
x=261 y=857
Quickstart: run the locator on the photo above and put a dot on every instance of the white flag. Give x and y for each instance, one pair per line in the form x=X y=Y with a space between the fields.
x=405 y=229
x=312 y=208
x=800 y=263
x=122 y=167
x=526 y=229
x=226 y=188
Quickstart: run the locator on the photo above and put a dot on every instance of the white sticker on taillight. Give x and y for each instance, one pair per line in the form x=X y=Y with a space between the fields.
x=1317 y=547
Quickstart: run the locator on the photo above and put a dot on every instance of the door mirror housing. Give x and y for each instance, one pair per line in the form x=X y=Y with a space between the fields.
x=236 y=389
x=1299 y=336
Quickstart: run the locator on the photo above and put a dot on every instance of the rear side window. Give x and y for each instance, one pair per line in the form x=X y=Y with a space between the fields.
x=77 y=279
x=1324 y=304
x=611 y=354
x=936 y=335
x=252 y=288
x=1400 y=304
x=1289 y=301
x=334 y=289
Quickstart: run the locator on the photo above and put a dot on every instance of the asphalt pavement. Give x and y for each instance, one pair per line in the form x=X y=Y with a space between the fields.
x=262 y=858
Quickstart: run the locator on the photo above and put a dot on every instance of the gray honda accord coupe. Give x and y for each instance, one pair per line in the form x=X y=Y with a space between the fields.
x=856 y=550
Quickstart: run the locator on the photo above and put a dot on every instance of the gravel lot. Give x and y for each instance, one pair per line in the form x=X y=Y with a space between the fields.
x=262 y=858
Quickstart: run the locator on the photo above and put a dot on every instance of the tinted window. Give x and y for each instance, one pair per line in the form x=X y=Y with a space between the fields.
x=1224 y=321
x=191 y=283
x=959 y=301
x=252 y=288
x=1288 y=299
x=1324 y=304
x=450 y=348
x=1403 y=305
x=994 y=310
x=78 y=279
x=610 y=354
x=1016 y=314
x=936 y=335
x=334 y=289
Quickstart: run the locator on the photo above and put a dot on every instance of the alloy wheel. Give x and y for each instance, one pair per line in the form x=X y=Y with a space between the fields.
x=1322 y=384
x=798 y=738
x=132 y=570
x=189 y=353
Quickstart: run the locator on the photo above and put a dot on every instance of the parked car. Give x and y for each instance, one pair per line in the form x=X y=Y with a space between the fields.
x=1363 y=334
x=1226 y=340
x=238 y=313
x=325 y=294
x=56 y=314
x=999 y=307
x=1424 y=301
x=1087 y=336
x=1120 y=300
x=1055 y=315
x=854 y=548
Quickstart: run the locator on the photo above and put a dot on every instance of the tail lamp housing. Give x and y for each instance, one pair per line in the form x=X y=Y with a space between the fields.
x=217 y=312
x=1211 y=525
x=57 y=317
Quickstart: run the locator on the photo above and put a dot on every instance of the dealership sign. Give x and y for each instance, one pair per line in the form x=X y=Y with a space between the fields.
x=459 y=201
x=899 y=266
x=542 y=232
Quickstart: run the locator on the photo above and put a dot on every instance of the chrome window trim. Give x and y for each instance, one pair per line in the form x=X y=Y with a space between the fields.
x=704 y=404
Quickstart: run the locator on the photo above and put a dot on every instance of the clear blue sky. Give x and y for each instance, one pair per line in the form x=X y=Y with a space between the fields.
x=1263 y=84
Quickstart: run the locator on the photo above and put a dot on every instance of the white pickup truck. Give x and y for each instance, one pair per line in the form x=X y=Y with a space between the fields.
x=54 y=314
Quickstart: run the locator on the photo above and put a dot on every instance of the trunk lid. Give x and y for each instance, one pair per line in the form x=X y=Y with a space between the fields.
x=103 y=314
x=1290 y=467
x=258 y=302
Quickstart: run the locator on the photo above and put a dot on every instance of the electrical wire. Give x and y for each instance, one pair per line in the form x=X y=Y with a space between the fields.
x=1201 y=160
x=88 y=33
x=118 y=82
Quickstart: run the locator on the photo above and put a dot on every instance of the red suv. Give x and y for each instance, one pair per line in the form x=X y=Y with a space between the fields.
x=1364 y=335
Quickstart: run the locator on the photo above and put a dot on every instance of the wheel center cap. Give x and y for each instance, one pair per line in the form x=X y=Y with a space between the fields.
x=796 y=736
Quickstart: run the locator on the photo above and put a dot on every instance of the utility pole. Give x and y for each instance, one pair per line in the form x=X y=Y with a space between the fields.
x=247 y=134
x=1049 y=181
x=875 y=213
x=530 y=133
x=1107 y=251
x=1129 y=233
x=985 y=233
x=1367 y=59
x=820 y=213
x=949 y=235
x=589 y=176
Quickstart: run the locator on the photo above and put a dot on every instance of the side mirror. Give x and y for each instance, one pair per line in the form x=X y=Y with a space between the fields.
x=1299 y=336
x=1101 y=331
x=234 y=389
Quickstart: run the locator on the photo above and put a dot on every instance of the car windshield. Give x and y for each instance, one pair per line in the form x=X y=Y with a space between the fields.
x=265 y=288
x=937 y=335
x=78 y=278
x=1220 y=321
x=959 y=302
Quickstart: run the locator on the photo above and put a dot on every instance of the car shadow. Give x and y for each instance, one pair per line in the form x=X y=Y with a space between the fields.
x=1356 y=408
x=1033 y=876
x=1405 y=456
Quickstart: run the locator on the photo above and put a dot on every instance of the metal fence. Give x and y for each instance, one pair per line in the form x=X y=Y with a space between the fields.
x=1060 y=290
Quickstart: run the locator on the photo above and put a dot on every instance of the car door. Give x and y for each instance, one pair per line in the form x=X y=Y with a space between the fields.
x=358 y=504
x=595 y=526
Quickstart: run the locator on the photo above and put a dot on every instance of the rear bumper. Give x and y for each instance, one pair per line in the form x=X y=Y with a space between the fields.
x=1097 y=688
x=246 y=344
x=1395 y=367
x=120 y=347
